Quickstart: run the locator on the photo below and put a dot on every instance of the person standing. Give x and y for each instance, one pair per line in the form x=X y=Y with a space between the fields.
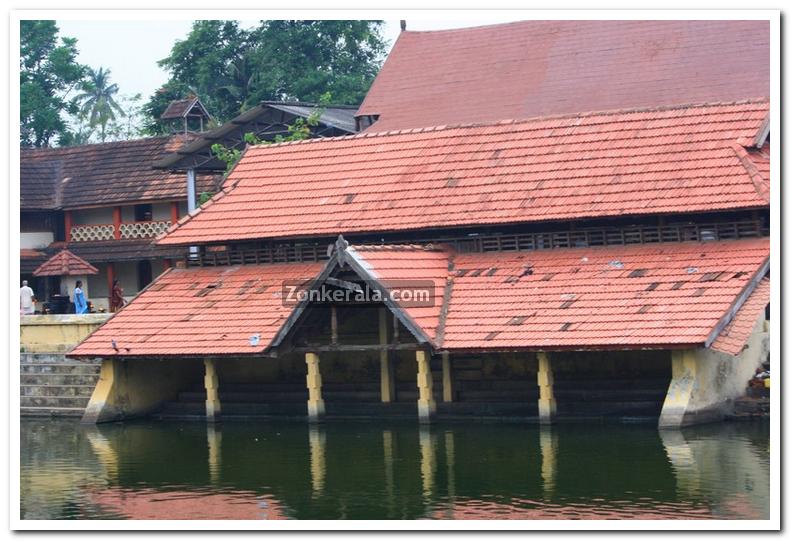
x=27 y=300
x=80 y=304
x=116 y=297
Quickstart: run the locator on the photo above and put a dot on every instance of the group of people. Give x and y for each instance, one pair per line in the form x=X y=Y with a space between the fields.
x=27 y=298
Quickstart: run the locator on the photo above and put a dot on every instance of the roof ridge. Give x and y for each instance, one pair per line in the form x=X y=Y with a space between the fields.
x=43 y=150
x=470 y=125
x=307 y=104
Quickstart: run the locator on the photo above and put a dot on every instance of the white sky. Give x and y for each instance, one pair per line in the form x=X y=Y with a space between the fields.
x=131 y=49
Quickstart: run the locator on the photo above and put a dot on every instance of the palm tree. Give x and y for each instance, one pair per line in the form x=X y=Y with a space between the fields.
x=96 y=101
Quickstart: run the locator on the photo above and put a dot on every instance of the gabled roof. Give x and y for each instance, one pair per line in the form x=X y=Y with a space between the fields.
x=103 y=174
x=588 y=165
x=65 y=263
x=665 y=295
x=267 y=120
x=538 y=68
x=184 y=108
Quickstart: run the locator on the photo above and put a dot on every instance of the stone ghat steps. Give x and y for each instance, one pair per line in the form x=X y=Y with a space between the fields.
x=53 y=385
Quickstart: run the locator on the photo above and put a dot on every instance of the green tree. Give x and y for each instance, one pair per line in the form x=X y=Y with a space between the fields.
x=97 y=101
x=233 y=69
x=48 y=71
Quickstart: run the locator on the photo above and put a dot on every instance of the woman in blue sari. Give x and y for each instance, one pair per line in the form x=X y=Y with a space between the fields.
x=80 y=304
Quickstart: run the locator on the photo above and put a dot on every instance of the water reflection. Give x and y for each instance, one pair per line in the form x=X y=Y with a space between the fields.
x=357 y=470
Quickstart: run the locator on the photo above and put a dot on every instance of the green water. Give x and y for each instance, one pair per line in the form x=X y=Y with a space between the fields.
x=355 y=470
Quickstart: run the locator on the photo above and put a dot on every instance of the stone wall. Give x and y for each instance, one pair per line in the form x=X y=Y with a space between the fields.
x=56 y=333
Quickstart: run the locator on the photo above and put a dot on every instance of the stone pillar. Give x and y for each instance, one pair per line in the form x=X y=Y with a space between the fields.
x=426 y=407
x=387 y=381
x=547 y=406
x=212 y=384
x=447 y=378
x=315 y=402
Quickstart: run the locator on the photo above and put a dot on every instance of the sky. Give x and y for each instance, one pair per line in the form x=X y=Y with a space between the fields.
x=131 y=49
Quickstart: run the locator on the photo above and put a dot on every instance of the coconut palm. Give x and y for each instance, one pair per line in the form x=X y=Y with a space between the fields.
x=96 y=101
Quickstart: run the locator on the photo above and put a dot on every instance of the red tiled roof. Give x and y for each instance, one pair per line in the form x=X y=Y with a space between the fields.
x=201 y=311
x=732 y=339
x=629 y=296
x=617 y=163
x=400 y=266
x=538 y=68
x=65 y=263
x=638 y=296
x=120 y=172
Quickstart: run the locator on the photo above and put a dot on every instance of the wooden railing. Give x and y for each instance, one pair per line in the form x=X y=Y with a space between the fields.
x=294 y=253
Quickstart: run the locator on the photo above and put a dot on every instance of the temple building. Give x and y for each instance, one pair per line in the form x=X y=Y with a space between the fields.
x=585 y=264
x=107 y=202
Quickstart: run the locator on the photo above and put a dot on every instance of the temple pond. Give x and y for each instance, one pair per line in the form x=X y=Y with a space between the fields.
x=360 y=470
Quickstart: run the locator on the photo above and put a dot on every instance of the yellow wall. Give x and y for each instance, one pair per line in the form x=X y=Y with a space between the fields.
x=57 y=333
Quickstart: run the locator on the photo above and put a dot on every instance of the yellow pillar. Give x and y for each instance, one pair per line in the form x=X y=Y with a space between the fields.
x=212 y=384
x=447 y=378
x=428 y=461
x=385 y=364
x=547 y=406
x=318 y=462
x=214 y=439
x=426 y=407
x=315 y=402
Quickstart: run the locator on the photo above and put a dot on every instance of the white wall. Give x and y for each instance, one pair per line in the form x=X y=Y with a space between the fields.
x=161 y=212
x=92 y=216
x=36 y=241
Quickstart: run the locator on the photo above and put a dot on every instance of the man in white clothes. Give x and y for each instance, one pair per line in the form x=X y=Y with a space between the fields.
x=26 y=299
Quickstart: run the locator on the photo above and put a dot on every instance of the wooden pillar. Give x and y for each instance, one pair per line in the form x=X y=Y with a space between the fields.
x=387 y=381
x=174 y=212
x=67 y=224
x=426 y=407
x=117 y=223
x=315 y=401
x=447 y=378
x=333 y=325
x=212 y=384
x=546 y=398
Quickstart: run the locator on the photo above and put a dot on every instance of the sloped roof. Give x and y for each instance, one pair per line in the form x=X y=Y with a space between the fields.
x=267 y=120
x=30 y=260
x=182 y=108
x=606 y=164
x=669 y=295
x=65 y=263
x=734 y=337
x=537 y=68
x=39 y=186
x=201 y=311
x=102 y=174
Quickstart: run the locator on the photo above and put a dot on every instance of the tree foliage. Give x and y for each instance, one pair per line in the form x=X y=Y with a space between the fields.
x=48 y=71
x=97 y=101
x=232 y=69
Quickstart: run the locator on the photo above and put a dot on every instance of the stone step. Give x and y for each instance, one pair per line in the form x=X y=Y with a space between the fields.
x=56 y=368
x=54 y=401
x=54 y=358
x=58 y=379
x=46 y=411
x=56 y=390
